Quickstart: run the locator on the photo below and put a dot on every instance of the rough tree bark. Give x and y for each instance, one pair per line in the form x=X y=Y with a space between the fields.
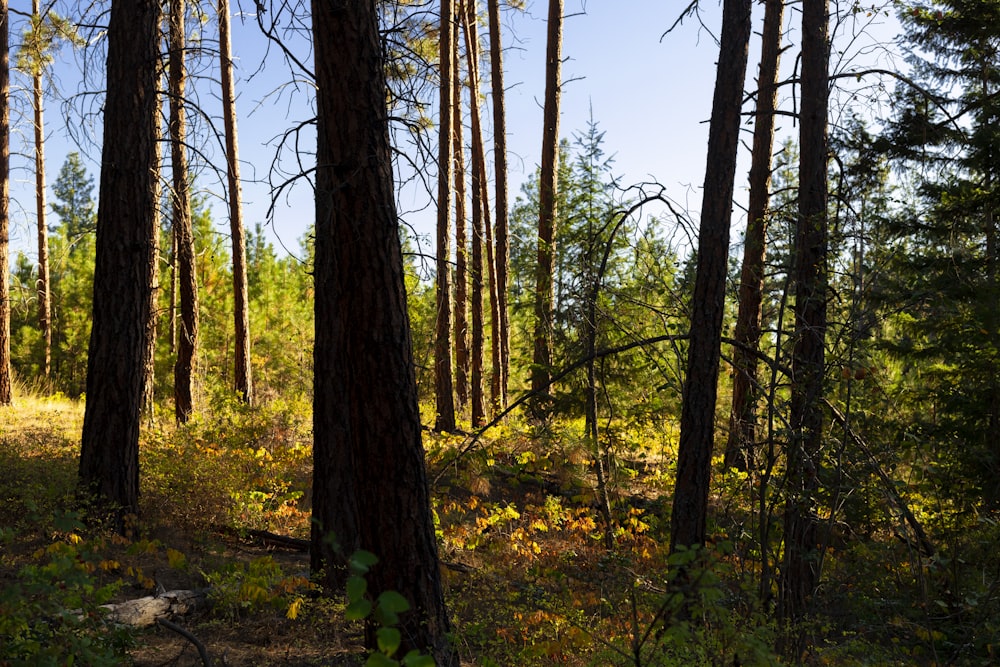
x=743 y=419
x=125 y=264
x=370 y=488
x=500 y=206
x=444 y=390
x=43 y=283
x=6 y=381
x=461 y=315
x=243 y=371
x=800 y=575
x=694 y=457
x=547 y=184
x=480 y=213
x=180 y=200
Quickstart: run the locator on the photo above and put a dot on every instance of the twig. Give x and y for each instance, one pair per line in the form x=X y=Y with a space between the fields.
x=202 y=651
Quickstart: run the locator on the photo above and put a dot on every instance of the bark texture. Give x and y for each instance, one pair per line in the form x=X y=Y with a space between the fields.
x=125 y=265
x=187 y=344
x=370 y=486
x=6 y=381
x=243 y=372
x=501 y=334
x=743 y=416
x=444 y=388
x=548 y=177
x=800 y=571
x=694 y=458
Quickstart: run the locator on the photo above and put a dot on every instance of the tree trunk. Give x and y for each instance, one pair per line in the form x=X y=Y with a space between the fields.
x=480 y=215
x=743 y=419
x=500 y=207
x=461 y=323
x=187 y=344
x=694 y=456
x=6 y=381
x=547 y=185
x=243 y=379
x=800 y=573
x=125 y=264
x=44 y=283
x=443 y=385
x=370 y=488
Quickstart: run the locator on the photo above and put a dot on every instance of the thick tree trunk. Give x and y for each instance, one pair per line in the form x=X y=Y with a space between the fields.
x=243 y=378
x=443 y=384
x=187 y=344
x=743 y=419
x=501 y=334
x=370 y=488
x=548 y=178
x=800 y=573
x=6 y=381
x=694 y=457
x=125 y=264
x=44 y=282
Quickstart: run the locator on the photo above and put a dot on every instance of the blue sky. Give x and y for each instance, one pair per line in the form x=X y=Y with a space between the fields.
x=649 y=92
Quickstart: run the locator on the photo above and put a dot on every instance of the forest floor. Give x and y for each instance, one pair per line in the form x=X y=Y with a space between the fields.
x=528 y=576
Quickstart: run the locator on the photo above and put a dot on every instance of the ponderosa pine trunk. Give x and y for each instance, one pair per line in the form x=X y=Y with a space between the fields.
x=461 y=314
x=800 y=573
x=6 y=379
x=743 y=415
x=187 y=343
x=500 y=206
x=44 y=283
x=481 y=237
x=370 y=488
x=541 y=371
x=243 y=370
x=688 y=522
x=125 y=263
x=444 y=389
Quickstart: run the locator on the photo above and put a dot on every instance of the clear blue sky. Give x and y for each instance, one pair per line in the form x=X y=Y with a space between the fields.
x=649 y=92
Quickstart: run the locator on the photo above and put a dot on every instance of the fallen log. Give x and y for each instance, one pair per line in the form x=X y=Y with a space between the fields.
x=144 y=612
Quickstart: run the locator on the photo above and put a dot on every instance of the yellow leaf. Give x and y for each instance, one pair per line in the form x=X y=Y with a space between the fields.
x=293 y=609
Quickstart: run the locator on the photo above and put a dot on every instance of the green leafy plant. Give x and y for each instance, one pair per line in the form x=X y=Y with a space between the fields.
x=383 y=612
x=51 y=614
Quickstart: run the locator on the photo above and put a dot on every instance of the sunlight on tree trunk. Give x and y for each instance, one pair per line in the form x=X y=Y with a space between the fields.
x=443 y=384
x=542 y=360
x=6 y=381
x=743 y=415
x=243 y=371
x=187 y=348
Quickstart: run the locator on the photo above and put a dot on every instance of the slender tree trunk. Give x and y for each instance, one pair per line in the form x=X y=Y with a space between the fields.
x=369 y=480
x=548 y=178
x=243 y=380
x=6 y=381
x=743 y=417
x=125 y=265
x=462 y=356
x=800 y=573
x=44 y=283
x=694 y=456
x=443 y=385
x=480 y=215
x=481 y=196
x=173 y=291
x=500 y=206
x=187 y=344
